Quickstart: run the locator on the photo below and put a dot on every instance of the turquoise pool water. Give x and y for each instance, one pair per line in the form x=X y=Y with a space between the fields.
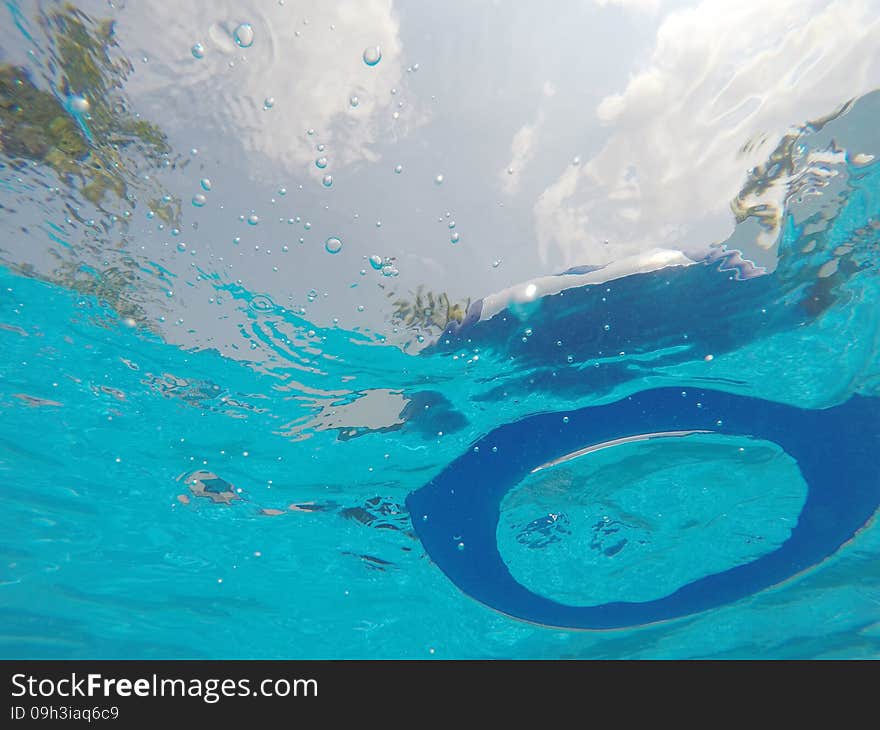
x=187 y=499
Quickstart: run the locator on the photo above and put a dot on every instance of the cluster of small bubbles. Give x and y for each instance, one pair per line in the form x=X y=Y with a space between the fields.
x=321 y=163
x=205 y=183
x=455 y=237
x=372 y=55
x=243 y=35
x=398 y=169
x=327 y=181
x=333 y=245
x=253 y=219
x=198 y=50
x=390 y=270
x=268 y=102
x=199 y=200
x=353 y=101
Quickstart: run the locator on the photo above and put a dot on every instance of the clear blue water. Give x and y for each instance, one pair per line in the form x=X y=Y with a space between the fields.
x=167 y=500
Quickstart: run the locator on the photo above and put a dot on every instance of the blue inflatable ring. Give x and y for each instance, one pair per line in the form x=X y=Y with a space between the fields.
x=837 y=449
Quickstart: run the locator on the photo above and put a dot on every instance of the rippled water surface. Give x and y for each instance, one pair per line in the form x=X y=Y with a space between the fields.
x=267 y=269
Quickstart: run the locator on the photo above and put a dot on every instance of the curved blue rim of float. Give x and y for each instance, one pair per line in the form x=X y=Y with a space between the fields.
x=835 y=448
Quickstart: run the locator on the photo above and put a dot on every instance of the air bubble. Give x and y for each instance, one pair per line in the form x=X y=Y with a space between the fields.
x=455 y=237
x=268 y=102
x=376 y=262
x=243 y=35
x=253 y=219
x=327 y=181
x=198 y=50
x=199 y=200
x=398 y=169
x=372 y=55
x=321 y=163
x=205 y=183
x=438 y=180
x=353 y=101
x=333 y=245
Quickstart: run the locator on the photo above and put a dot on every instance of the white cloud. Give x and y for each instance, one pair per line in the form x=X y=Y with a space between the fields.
x=522 y=149
x=648 y=6
x=721 y=73
x=309 y=69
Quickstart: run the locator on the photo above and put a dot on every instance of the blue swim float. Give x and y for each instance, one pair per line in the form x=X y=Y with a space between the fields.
x=456 y=514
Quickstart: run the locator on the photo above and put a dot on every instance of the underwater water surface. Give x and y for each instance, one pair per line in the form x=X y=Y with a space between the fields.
x=206 y=448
